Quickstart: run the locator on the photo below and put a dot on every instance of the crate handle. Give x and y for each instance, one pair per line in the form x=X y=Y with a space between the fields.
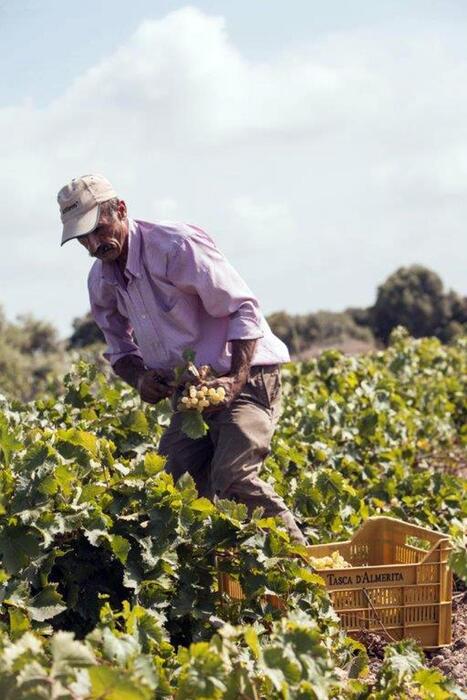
x=423 y=533
x=418 y=542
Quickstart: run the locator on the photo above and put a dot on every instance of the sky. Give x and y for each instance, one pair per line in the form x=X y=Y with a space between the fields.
x=321 y=144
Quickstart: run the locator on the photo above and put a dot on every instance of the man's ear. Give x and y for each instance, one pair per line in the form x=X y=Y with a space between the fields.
x=121 y=210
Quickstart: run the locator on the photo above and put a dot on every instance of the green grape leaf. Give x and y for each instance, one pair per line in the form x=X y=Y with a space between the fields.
x=114 y=684
x=118 y=649
x=193 y=424
x=138 y=423
x=120 y=547
x=358 y=665
x=368 y=422
x=203 y=505
x=431 y=684
x=153 y=463
x=67 y=652
x=35 y=456
x=18 y=547
x=403 y=659
x=251 y=638
x=46 y=604
x=8 y=441
x=74 y=438
x=19 y=622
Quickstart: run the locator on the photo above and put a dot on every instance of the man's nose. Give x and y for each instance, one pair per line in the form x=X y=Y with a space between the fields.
x=93 y=242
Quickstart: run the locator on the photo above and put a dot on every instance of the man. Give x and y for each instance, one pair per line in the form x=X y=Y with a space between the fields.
x=169 y=285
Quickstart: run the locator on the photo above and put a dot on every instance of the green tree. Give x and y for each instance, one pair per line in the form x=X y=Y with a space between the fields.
x=85 y=332
x=31 y=357
x=300 y=332
x=414 y=297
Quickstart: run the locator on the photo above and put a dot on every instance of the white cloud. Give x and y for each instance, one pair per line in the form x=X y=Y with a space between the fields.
x=318 y=171
x=262 y=225
x=166 y=208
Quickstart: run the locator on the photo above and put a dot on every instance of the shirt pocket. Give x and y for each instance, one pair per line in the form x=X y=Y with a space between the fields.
x=180 y=320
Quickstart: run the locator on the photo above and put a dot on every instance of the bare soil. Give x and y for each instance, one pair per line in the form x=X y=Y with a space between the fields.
x=451 y=661
x=451 y=461
x=348 y=346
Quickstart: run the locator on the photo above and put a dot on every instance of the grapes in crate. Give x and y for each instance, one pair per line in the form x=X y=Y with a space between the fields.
x=335 y=561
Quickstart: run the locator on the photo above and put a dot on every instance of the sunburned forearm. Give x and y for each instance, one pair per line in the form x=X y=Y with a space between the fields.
x=242 y=355
x=130 y=368
x=148 y=382
x=235 y=380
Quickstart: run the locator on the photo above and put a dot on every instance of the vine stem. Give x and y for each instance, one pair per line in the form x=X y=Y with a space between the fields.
x=388 y=634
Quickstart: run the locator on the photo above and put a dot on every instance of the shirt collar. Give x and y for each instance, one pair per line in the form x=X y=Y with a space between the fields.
x=133 y=262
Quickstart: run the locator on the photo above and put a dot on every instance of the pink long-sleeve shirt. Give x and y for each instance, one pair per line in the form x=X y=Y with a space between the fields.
x=180 y=293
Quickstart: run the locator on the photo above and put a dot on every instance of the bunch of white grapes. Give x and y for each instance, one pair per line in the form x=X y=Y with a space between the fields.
x=200 y=397
x=335 y=561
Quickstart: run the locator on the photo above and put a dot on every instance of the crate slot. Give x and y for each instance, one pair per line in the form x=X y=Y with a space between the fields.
x=408 y=555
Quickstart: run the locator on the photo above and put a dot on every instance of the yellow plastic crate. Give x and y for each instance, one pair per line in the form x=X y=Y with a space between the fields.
x=399 y=584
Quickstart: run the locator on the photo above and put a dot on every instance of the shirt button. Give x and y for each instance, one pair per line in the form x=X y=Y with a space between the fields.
x=143 y=316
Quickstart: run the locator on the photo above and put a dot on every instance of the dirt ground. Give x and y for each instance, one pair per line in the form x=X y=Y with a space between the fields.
x=452 y=461
x=349 y=346
x=451 y=661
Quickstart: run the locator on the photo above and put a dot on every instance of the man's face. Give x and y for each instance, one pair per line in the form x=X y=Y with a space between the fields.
x=109 y=239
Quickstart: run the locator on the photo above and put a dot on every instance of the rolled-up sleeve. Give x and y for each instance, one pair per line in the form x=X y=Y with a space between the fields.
x=198 y=267
x=116 y=328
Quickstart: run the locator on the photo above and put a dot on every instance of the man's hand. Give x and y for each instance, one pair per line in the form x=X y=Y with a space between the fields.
x=232 y=384
x=152 y=388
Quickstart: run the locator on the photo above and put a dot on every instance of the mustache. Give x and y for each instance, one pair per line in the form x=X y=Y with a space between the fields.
x=103 y=248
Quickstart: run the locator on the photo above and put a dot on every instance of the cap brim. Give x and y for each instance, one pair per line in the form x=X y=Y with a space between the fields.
x=80 y=226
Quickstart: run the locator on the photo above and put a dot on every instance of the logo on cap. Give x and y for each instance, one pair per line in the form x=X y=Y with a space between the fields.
x=65 y=210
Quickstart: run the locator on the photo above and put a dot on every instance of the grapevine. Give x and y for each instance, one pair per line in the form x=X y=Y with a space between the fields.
x=109 y=570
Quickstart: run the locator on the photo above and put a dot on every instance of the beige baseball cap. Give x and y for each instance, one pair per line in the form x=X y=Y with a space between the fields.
x=79 y=204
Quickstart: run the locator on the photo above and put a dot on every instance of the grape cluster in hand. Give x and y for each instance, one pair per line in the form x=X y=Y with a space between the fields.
x=200 y=397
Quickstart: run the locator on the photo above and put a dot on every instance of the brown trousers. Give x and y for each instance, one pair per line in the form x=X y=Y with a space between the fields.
x=227 y=461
